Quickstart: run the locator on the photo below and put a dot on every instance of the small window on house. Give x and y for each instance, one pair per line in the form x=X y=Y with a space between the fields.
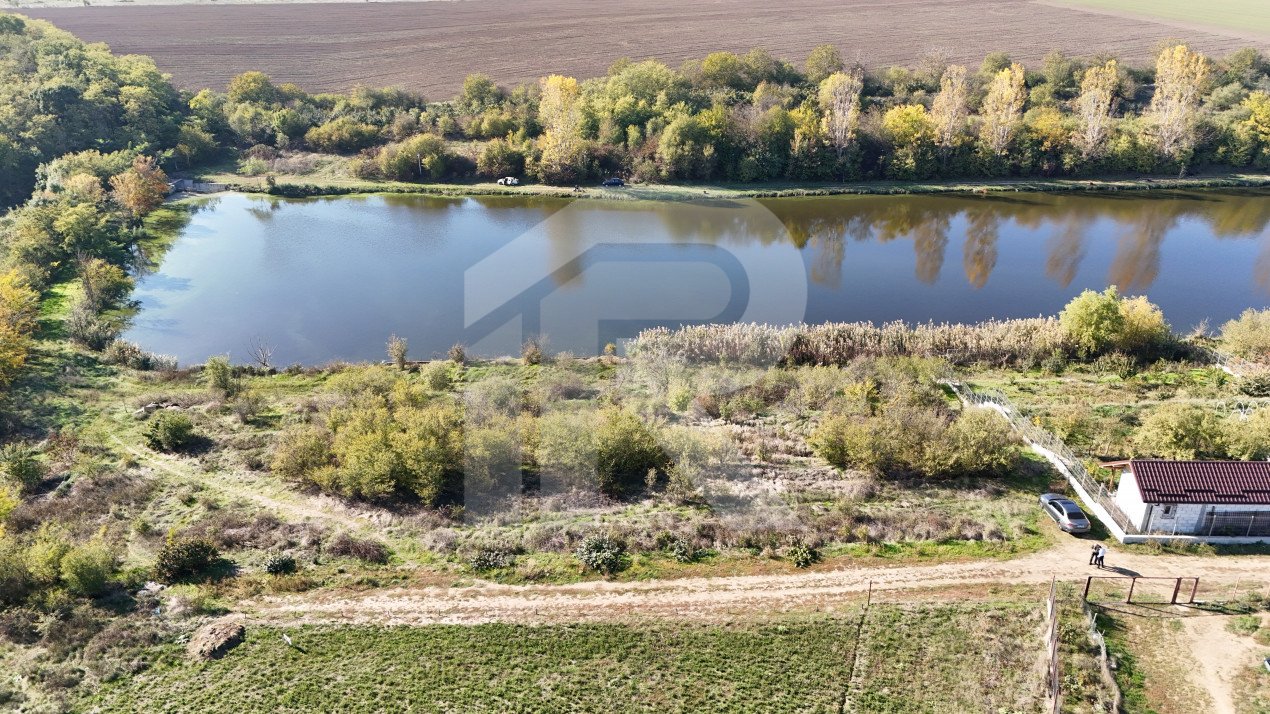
x=1167 y=512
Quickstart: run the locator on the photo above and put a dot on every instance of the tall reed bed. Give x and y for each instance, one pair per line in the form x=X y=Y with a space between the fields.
x=1023 y=341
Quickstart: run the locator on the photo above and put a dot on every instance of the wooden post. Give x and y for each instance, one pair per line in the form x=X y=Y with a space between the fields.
x=1088 y=580
x=1176 y=587
x=1129 y=598
x=869 y=597
x=1194 y=587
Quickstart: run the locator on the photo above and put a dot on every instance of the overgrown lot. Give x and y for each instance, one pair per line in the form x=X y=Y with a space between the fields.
x=796 y=666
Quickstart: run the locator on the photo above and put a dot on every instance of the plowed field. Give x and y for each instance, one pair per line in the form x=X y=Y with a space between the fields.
x=431 y=46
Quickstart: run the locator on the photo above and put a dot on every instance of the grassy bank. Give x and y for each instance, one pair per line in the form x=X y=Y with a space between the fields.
x=333 y=183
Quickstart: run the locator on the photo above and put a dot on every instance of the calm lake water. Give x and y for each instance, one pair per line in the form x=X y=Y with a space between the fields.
x=326 y=279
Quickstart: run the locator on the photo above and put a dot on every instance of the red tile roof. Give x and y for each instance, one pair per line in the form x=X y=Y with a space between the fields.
x=1225 y=482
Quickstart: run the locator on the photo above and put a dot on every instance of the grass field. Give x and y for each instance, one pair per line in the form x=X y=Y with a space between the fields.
x=1243 y=16
x=911 y=658
x=430 y=46
x=795 y=666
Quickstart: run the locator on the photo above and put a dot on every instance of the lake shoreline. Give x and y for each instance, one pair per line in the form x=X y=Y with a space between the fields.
x=293 y=186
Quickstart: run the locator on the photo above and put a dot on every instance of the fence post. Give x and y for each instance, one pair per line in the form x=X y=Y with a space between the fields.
x=1129 y=598
x=1176 y=587
x=1194 y=588
x=868 y=600
x=1088 y=579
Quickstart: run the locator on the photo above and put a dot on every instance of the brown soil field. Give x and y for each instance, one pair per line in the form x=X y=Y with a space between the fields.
x=430 y=46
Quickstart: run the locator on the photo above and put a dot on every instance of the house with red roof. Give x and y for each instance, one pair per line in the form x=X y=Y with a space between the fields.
x=1229 y=499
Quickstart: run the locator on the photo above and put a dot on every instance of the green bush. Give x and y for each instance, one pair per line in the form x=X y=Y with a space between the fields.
x=1179 y=431
x=1244 y=624
x=300 y=451
x=437 y=375
x=87 y=569
x=491 y=559
x=185 y=559
x=1093 y=320
x=803 y=556
x=218 y=373
x=602 y=554
x=280 y=564
x=1257 y=385
x=170 y=431
x=626 y=450
x=342 y=135
x=22 y=465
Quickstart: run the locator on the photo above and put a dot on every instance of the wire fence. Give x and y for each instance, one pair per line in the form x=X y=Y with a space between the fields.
x=1038 y=437
x=1053 y=678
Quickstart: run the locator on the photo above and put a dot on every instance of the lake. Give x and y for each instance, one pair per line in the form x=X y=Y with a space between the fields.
x=331 y=278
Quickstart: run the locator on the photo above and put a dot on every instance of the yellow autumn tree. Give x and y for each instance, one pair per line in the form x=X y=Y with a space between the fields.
x=1098 y=88
x=19 y=307
x=1180 y=75
x=561 y=117
x=950 y=109
x=1002 y=109
x=839 y=98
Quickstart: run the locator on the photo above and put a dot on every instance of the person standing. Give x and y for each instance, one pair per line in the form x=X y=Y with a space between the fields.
x=1101 y=557
x=1093 y=554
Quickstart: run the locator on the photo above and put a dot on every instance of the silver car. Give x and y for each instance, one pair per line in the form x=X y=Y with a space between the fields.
x=1065 y=513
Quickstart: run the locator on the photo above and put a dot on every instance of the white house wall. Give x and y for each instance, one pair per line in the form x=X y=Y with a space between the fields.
x=1130 y=500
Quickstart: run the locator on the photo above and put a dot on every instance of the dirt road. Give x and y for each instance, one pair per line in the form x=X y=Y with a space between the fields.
x=730 y=597
x=1220 y=656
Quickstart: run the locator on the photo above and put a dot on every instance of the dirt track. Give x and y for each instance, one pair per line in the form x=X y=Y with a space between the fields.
x=431 y=46
x=731 y=597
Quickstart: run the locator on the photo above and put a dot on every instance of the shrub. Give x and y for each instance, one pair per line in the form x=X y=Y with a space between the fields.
x=803 y=556
x=1256 y=385
x=979 y=442
x=1249 y=437
x=129 y=354
x=1249 y=335
x=1092 y=320
x=184 y=559
x=170 y=431
x=491 y=559
x=626 y=450
x=500 y=158
x=300 y=451
x=679 y=547
x=602 y=554
x=437 y=376
x=89 y=329
x=398 y=347
x=344 y=545
x=424 y=157
x=1179 y=431
x=457 y=353
x=1143 y=330
x=219 y=375
x=342 y=135
x=280 y=564
x=87 y=569
x=531 y=351
x=22 y=465
x=846 y=443
x=1244 y=624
